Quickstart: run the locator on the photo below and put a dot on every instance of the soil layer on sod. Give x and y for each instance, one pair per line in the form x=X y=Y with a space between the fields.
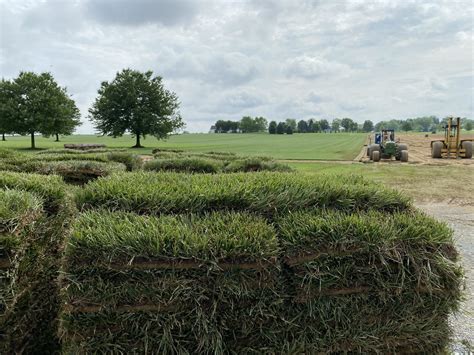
x=34 y=220
x=254 y=263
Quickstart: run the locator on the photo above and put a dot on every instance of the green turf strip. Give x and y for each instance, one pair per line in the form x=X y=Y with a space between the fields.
x=17 y=209
x=102 y=235
x=264 y=193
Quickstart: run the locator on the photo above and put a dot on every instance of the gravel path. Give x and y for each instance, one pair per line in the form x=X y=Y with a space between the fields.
x=461 y=219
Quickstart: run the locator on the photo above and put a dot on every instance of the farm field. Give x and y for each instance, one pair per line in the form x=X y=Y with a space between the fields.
x=118 y=218
x=317 y=146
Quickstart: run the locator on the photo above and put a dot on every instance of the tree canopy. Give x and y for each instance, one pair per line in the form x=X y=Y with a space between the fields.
x=35 y=103
x=138 y=103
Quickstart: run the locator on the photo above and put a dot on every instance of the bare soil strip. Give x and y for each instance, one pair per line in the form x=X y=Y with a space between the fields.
x=419 y=151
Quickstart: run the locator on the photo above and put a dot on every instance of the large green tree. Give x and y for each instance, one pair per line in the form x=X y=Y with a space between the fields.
x=302 y=126
x=368 y=126
x=138 y=103
x=272 y=127
x=348 y=124
x=37 y=102
x=66 y=120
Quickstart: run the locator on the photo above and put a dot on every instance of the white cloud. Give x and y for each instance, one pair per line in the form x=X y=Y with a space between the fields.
x=365 y=60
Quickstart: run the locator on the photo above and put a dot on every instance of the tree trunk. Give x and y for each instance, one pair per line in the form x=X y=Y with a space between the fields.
x=137 y=144
x=57 y=138
x=3 y=137
x=33 y=140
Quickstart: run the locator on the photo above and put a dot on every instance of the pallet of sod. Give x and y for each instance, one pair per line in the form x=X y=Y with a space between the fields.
x=34 y=221
x=169 y=284
x=332 y=255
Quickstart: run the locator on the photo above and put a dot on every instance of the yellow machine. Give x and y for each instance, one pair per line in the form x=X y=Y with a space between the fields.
x=452 y=146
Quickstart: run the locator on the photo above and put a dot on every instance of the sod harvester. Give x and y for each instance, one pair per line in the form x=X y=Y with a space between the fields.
x=452 y=146
x=385 y=147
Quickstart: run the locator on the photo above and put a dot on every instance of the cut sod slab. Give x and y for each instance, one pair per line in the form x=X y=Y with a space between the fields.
x=34 y=222
x=187 y=165
x=370 y=282
x=173 y=276
x=262 y=193
x=310 y=281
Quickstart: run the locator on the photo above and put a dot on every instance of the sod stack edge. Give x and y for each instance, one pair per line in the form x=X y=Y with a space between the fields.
x=29 y=322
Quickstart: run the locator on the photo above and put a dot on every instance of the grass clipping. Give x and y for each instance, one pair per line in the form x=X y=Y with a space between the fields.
x=254 y=263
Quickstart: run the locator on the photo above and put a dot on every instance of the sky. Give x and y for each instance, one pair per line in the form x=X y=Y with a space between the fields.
x=280 y=59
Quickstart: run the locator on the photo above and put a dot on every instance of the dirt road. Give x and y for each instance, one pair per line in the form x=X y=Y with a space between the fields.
x=461 y=219
x=419 y=151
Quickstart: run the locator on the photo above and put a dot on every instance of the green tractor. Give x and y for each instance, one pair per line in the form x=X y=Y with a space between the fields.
x=385 y=147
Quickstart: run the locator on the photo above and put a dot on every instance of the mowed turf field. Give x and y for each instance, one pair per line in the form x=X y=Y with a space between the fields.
x=311 y=146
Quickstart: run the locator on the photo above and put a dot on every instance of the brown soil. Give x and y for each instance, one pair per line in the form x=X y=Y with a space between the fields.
x=419 y=151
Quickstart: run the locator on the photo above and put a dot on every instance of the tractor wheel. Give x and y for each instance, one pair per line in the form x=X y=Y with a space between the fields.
x=468 y=147
x=404 y=156
x=436 y=149
x=402 y=146
x=376 y=156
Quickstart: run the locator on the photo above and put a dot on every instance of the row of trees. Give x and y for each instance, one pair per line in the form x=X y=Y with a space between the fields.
x=290 y=126
x=133 y=102
x=421 y=124
x=246 y=125
x=316 y=126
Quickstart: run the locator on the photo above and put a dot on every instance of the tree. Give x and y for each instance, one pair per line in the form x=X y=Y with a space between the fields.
x=468 y=125
x=138 y=103
x=368 y=126
x=406 y=125
x=261 y=124
x=302 y=126
x=336 y=124
x=316 y=127
x=247 y=124
x=66 y=121
x=289 y=129
x=38 y=100
x=281 y=128
x=347 y=123
x=324 y=125
x=272 y=128
x=292 y=123
x=7 y=110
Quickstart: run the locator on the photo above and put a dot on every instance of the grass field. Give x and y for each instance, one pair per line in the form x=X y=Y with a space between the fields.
x=319 y=146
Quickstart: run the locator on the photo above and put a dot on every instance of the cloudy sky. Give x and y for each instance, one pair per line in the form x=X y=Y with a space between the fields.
x=279 y=59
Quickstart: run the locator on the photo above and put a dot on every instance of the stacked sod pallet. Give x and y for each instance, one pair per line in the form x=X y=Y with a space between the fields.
x=34 y=216
x=210 y=162
x=75 y=167
x=263 y=262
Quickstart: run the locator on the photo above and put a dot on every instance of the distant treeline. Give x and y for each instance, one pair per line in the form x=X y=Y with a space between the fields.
x=421 y=124
x=260 y=124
